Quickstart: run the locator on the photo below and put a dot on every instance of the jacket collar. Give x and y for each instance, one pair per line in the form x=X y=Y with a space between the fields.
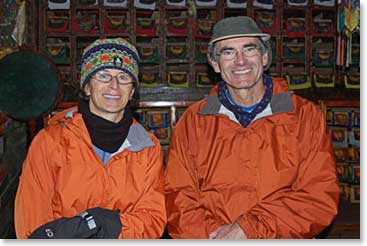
x=281 y=102
x=136 y=140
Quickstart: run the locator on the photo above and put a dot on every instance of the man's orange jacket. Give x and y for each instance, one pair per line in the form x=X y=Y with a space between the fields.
x=63 y=176
x=276 y=177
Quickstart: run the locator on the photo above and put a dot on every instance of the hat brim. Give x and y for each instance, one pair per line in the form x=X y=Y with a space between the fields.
x=263 y=36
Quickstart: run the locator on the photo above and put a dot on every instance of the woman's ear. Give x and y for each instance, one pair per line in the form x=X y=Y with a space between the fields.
x=87 y=89
x=131 y=93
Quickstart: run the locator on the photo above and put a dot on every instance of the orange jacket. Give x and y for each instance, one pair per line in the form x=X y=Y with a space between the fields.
x=63 y=176
x=277 y=177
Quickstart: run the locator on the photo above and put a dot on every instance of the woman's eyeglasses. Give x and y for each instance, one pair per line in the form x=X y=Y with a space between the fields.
x=122 y=78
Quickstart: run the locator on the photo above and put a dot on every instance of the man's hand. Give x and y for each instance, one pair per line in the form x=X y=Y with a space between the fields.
x=231 y=231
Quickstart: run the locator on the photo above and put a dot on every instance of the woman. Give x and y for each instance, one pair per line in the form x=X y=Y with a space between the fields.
x=94 y=172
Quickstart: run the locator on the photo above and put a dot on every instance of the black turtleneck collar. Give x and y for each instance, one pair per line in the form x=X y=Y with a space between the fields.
x=105 y=134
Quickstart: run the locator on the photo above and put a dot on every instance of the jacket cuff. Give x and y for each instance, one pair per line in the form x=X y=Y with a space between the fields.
x=247 y=227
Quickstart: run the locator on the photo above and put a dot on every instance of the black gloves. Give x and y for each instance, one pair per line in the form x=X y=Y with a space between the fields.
x=63 y=228
x=108 y=222
x=93 y=223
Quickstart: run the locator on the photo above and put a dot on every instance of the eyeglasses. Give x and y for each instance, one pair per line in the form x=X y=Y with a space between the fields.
x=230 y=53
x=122 y=78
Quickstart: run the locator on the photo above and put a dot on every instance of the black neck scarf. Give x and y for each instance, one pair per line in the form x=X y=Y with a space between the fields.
x=242 y=116
x=106 y=135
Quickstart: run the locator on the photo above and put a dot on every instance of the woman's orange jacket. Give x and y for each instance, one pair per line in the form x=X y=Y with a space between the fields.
x=63 y=176
x=276 y=177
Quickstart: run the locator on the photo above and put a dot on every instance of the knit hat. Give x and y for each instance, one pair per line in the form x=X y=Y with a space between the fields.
x=113 y=53
x=239 y=26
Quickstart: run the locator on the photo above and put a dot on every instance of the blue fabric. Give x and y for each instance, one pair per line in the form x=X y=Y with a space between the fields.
x=105 y=156
x=244 y=117
x=246 y=109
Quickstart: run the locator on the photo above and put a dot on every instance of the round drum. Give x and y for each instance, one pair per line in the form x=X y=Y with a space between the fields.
x=29 y=85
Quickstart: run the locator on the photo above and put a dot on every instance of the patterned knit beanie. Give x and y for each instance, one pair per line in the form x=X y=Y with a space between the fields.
x=114 y=53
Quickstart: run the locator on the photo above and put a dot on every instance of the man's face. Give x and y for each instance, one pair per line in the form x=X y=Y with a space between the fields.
x=244 y=70
x=109 y=99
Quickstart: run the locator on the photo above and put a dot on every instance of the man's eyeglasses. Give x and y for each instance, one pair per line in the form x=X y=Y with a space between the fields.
x=230 y=53
x=122 y=78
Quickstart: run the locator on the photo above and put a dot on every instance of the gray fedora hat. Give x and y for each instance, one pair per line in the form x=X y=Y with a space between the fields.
x=239 y=26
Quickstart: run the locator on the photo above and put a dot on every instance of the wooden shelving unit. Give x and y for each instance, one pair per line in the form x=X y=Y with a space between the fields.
x=172 y=42
x=343 y=118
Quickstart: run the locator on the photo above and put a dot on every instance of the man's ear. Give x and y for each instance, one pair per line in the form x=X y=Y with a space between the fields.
x=265 y=59
x=213 y=63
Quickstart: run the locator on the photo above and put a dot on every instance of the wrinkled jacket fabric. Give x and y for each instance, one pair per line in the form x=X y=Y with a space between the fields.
x=276 y=178
x=63 y=176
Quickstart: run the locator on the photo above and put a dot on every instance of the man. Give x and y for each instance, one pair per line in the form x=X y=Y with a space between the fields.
x=251 y=160
x=94 y=172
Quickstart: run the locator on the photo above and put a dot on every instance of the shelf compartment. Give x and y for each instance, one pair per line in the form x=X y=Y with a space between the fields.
x=178 y=76
x=146 y=23
x=148 y=52
x=149 y=76
x=116 y=3
x=116 y=22
x=324 y=78
x=177 y=23
x=294 y=48
x=58 y=49
x=57 y=21
x=298 y=81
x=204 y=76
x=201 y=48
x=236 y=4
x=177 y=52
x=86 y=22
x=267 y=21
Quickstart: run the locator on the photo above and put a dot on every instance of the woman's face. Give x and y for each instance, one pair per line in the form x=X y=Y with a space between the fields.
x=109 y=91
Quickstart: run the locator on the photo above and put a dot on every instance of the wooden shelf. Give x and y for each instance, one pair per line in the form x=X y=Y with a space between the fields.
x=347 y=223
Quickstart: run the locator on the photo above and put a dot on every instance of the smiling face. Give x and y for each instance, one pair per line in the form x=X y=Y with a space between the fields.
x=108 y=100
x=244 y=71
